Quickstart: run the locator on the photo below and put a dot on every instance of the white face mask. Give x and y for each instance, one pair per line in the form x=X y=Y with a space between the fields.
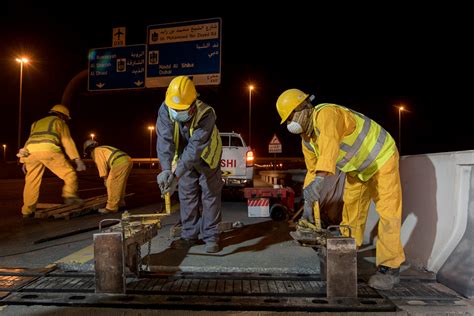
x=294 y=128
x=180 y=116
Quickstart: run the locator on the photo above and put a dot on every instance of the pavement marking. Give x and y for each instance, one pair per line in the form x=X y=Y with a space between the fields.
x=79 y=257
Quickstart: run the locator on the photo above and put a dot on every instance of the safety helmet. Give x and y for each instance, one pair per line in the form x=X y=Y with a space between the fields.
x=59 y=108
x=89 y=143
x=288 y=101
x=181 y=93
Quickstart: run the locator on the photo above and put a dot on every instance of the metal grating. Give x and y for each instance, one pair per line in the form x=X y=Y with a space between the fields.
x=220 y=291
x=215 y=291
x=423 y=291
x=11 y=282
x=59 y=284
x=197 y=284
x=201 y=302
x=12 y=279
x=227 y=286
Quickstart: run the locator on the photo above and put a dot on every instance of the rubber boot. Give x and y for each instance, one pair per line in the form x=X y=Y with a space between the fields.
x=385 y=278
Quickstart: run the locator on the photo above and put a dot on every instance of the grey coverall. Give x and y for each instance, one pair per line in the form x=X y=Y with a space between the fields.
x=198 y=185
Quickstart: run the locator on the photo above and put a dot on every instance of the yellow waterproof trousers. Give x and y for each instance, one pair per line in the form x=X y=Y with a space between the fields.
x=385 y=189
x=116 y=184
x=35 y=164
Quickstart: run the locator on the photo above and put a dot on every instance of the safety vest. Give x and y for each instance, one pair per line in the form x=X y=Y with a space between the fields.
x=115 y=156
x=45 y=131
x=363 y=152
x=212 y=153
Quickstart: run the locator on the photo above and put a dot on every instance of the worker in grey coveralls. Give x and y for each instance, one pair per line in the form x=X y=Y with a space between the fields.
x=189 y=149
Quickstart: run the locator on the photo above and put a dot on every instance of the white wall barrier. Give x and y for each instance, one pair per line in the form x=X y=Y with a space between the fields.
x=436 y=195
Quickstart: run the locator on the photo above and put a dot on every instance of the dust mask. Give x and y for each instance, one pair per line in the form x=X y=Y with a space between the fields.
x=294 y=128
x=180 y=116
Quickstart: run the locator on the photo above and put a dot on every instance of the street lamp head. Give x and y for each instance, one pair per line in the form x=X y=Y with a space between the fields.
x=4 y=146
x=251 y=87
x=22 y=60
x=151 y=128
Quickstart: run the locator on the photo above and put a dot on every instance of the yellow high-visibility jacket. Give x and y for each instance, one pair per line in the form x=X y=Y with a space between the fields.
x=49 y=134
x=212 y=153
x=348 y=140
x=105 y=157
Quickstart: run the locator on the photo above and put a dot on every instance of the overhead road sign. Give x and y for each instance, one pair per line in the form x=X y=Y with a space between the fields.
x=191 y=48
x=118 y=36
x=117 y=68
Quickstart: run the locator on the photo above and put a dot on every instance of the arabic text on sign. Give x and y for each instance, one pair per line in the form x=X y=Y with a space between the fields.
x=184 y=33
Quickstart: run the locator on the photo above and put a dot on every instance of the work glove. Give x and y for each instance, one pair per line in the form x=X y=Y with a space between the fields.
x=312 y=192
x=80 y=165
x=163 y=179
x=22 y=153
x=308 y=213
x=171 y=187
x=23 y=169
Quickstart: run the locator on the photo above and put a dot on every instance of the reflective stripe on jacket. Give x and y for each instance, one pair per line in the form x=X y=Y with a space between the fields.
x=212 y=153
x=105 y=157
x=51 y=134
x=115 y=156
x=45 y=131
x=364 y=151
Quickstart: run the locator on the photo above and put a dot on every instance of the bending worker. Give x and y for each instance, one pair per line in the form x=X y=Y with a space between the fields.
x=333 y=137
x=188 y=142
x=114 y=168
x=43 y=149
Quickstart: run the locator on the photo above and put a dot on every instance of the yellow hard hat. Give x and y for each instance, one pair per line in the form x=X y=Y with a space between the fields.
x=59 y=108
x=288 y=101
x=181 y=93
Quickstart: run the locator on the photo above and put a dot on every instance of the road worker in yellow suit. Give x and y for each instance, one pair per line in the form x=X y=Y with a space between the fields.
x=43 y=149
x=114 y=168
x=333 y=137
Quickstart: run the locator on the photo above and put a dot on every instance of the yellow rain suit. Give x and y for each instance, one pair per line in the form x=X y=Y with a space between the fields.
x=44 y=144
x=115 y=166
x=368 y=155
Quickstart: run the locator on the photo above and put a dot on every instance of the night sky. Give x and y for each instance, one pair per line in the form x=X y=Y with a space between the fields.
x=368 y=58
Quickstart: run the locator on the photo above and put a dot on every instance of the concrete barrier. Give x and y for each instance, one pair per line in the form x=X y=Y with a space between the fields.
x=436 y=194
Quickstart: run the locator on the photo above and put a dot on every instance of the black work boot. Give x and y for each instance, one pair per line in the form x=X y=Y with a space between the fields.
x=183 y=243
x=212 y=247
x=385 y=278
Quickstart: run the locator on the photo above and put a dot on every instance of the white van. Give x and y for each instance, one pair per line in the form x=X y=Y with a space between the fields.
x=237 y=161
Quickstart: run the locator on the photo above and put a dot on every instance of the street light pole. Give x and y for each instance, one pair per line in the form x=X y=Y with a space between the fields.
x=400 y=109
x=22 y=61
x=251 y=87
x=151 y=128
x=4 y=152
x=92 y=136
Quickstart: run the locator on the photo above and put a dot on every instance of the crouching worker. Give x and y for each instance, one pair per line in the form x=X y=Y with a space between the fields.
x=114 y=168
x=334 y=136
x=48 y=138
